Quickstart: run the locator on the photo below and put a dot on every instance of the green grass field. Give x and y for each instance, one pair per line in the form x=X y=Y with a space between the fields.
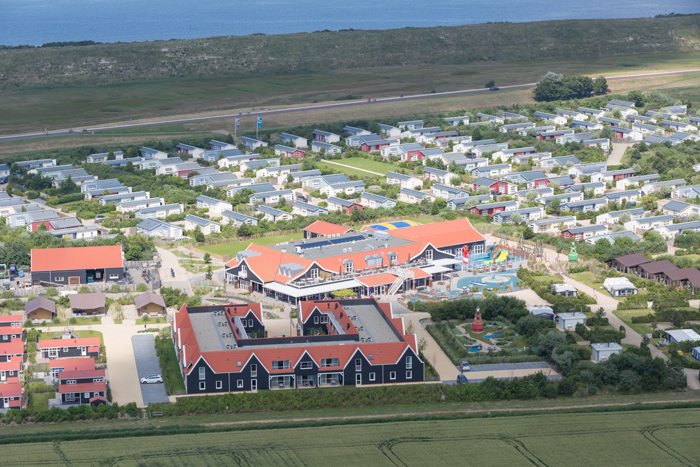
x=626 y=317
x=233 y=247
x=367 y=164
x=346 y=170
x=664 y=438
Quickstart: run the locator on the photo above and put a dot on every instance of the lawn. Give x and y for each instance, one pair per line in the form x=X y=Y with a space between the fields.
x=40 y=401
x=170 y=368
x=581 y=439
x=367 y=164
x=627 y=315
x=78 y=322
x=593 y=281
x=233 y=247
x=346 y=170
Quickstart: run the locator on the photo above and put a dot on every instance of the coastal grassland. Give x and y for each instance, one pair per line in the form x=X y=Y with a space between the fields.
x=659 y=437
x=83 y=86
x=685 y=86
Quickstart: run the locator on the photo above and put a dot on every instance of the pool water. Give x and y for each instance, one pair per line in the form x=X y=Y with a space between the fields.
x=491 y=336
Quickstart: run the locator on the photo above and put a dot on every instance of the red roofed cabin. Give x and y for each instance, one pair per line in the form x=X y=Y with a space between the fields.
x=76 y=266
x=70 y=348
x=71 y=364
x=81 y=387
x=324 y=229
x=337 y=343
x=372 y=146
x=11 y=396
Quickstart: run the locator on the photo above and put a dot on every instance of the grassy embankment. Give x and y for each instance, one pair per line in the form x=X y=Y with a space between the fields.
x=117 y=82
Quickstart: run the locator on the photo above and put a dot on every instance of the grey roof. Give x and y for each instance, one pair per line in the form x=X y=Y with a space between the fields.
x=676 y=205
x=587 y=228
x=684 y=226
x=399 y=176
x=343 y=202
x=618 y=194
x=148 y=298
x=606 y=346
x=165 y=207
x=210 y=200
x=40 y=302
x=553 y=220
x=377 y=198
x=199 y=220
x=631 y=212
x=310 y=207
x=65 y=223
x=612 y=236
x=270 y=210
x=87 y=301
x=152 y=224
x=585 y=202
x=238 y=216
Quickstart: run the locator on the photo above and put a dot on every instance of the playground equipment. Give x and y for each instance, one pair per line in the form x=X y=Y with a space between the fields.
x=502 y=256
x=478 y=324
x=3 y=271
x=573 y=255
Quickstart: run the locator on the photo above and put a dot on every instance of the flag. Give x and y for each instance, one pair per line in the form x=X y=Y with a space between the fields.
x=259 y=121
x=238 y=124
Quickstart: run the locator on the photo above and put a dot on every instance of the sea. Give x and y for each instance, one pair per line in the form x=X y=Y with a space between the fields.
x=35 y=22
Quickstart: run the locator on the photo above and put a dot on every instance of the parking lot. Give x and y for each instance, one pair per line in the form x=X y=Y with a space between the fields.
x=147 y=364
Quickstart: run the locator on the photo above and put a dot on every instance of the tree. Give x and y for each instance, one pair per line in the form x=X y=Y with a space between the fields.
x=531 y=196
x=344 y=293
x=637 y=97
x=490 y=84
x=606 y=132
x=198 y=235
x=600 y=85
x=290 y=178
x=129 y=167
x=68 y=186
x=209 y=273
x=134 y=253
x=516 y=218
x=434 y=209
x=556 y=204
x=111 y=156
x=245 y=230
x=207 y=258
x=626 y=217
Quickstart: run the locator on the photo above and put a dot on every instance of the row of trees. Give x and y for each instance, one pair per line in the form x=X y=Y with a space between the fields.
x=557 y=87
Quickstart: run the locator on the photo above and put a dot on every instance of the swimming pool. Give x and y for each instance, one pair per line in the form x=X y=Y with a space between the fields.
x=498 y=280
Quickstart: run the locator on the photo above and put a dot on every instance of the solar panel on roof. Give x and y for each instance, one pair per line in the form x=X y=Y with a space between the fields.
x=314 y=245
x=347 y=239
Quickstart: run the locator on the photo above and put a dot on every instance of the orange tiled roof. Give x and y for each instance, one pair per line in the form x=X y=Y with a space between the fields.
x=378 y=279
x=326 y=228
x=68 y=259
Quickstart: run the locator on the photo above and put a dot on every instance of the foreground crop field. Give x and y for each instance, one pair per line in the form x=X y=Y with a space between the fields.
x=665 y=438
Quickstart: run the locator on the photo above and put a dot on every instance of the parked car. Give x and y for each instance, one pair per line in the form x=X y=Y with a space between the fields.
x=100 y=218
x=494 y=88
x=466 y=367
x=461 y=379
x=152 y=379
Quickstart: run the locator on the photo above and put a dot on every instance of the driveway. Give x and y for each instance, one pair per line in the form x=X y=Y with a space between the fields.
x=618 y=151
x=147 y=364
x=433 y=353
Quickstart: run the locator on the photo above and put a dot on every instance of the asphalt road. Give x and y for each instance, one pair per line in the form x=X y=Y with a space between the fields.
x=309 y=107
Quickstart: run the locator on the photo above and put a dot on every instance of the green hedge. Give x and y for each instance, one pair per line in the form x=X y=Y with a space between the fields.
x=448 y=342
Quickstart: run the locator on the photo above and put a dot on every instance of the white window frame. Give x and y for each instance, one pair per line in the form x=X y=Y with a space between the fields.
x=409 y=375
x=113 y=277
x=324 y=319
x=239 y=384
x=219 y=384
x=313 y=274
x=87 y=395
x=202 y=386
x=253 y=370
x=429 y=254
x=71 y=381
x=409 y=362
x=316 y=320
x=372 y=376
x=358 y=364
x=250 y=323
x=392 y=375
x=349 y=267
x=306 y=366
x=202 y=373
x=333 y=360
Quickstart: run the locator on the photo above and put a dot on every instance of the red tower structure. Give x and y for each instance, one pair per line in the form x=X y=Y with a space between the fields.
x=478 y=324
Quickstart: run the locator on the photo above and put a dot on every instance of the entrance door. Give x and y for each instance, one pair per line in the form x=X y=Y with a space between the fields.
x=53 y=353
x=254 y=384
x=358 y=379
x=75 y=280
x=2 y=376
x=83 y=351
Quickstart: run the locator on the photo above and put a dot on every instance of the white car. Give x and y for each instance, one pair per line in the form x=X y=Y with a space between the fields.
x=152 y=379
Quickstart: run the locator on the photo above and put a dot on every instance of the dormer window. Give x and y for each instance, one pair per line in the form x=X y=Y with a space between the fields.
x=349 y=266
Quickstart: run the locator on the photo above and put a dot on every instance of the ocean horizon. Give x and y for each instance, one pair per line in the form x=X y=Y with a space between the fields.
x=36 y=22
